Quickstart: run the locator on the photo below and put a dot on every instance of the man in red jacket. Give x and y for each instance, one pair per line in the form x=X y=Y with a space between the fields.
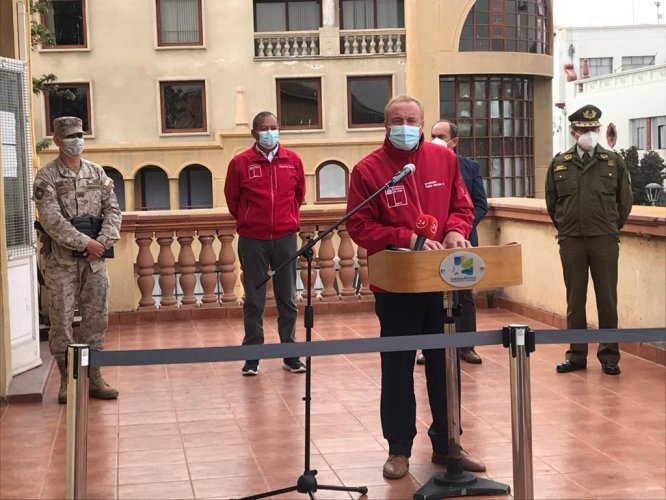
x=264 y=189
x=436 y=188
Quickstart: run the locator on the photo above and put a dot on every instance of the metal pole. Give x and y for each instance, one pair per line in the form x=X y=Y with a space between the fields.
x=77 y=420
x=521 y=413
x=452 y=401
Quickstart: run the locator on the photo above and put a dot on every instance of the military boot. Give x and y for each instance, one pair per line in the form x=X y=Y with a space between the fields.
x=62 y=368
x=98 y=387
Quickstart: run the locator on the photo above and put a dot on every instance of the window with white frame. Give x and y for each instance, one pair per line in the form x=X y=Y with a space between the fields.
x=596 y=66
x=634 y=62
x=372 y=14
x=658 y=128
x=638 y=133
x=179 y=23
x=286 y=15
x=68 y=99
x=183 y=106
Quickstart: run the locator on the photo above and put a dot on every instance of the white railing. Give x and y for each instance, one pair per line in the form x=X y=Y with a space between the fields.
x=370 y=42
x=286 y=44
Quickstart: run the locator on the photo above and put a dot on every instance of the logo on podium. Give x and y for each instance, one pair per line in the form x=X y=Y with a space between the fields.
x=462 y=269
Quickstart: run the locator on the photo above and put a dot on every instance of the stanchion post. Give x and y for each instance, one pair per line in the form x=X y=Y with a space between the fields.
x=78 y=356
x=520 y=339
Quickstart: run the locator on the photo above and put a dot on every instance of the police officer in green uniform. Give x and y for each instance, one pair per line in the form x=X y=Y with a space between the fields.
x=588 y=196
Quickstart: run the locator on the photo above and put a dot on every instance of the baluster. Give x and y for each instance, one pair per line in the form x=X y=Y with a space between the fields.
x=381 y=44
x=207 y=278
x=346 y=46
x=269 y=48
x=144 y=263
x=389 y=45
x=373 y=45
x=355 y=46
x=398 y=44
x=187 y=263
x=362 y=255
x=313 y=46
x=260 y=49
x=227 y=267
x=327 y=269
x=364 y=44
x=306 y=233
x=286 y=50
x=167 y=265
x=346 y=273
x=278 y=48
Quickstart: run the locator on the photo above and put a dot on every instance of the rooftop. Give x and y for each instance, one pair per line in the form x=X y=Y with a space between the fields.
x=203 y=431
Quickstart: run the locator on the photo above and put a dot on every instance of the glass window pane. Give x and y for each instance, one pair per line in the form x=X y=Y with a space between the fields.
x=69 y=100
x=179 y=22
x=447 y=109
x=495 y=109
x=497 y=147
x=519 y=187
x=495 y=89
x=496 y=187
x=481 y=109
x=65 y=21
x=508 y=128
x=270 y=16
x=496 y=167
x=465 y=147
x=465 y=109
x=464 y=90
x=483 y=164
x=519 y=167
x=481 y=128
x=508 y=186
x=390 y=14
x=183 y=106
x=496 y=127
x=508 y=171
x=299 y=103
x=332 y=182
x=368 y=97
x=481 y=148
x=480 y=89
x=304 y=15
x=358 y=14
x=447 y=88
x=465 y=128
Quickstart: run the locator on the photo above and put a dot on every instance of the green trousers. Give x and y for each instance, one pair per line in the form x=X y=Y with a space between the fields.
x=596 y=256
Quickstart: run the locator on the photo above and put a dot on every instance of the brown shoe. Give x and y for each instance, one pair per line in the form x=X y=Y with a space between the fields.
x=471 y=356
x=396 y=467
x=420 y=359
x=469 y=463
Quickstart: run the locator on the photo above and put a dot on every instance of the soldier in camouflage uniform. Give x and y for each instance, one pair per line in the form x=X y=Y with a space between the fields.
x=68 y=187
x=588 y=196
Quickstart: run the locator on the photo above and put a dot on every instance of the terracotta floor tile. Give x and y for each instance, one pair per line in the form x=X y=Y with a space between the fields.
x=175 y=490
x=152 y=457
x=232 y=467
x=229 y=487
x=153 y=473
x=144 y=443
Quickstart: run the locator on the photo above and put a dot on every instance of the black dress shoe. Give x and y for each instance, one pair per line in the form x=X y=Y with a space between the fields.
x=570 y=366
x=610 y=368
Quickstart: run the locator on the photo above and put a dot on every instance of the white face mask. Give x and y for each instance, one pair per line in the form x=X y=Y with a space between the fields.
x=588 y=141
x=441 y=142
x=73 y=146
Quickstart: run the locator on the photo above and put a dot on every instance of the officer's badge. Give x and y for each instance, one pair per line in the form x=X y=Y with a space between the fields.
x=568 y=157
x=560 y=168
x=38 y=193
x=590 y=114
x=611 y=163
x=603 y=156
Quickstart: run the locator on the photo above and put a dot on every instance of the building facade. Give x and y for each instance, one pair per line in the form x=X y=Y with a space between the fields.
x=168 y=105
x=620 y=69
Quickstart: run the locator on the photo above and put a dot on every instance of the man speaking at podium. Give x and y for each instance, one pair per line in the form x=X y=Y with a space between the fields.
x=435 y=188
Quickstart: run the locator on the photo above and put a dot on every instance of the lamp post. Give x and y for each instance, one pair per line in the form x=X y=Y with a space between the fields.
x=653 y=190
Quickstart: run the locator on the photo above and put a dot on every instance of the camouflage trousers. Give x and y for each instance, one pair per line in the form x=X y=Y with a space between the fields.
x=69 y=286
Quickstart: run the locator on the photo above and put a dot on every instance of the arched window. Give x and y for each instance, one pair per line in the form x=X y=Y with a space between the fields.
x=118 y=185
x=151 y=189
x=611 y=135
x=507 y=26
x=332 y=181
x=195 y=187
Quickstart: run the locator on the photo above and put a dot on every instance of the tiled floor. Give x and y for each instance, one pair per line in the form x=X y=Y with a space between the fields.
x=203 y=431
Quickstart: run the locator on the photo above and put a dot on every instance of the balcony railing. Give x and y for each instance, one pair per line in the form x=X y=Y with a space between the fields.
x=196 y=264
x=286 y=44
x=371 y=42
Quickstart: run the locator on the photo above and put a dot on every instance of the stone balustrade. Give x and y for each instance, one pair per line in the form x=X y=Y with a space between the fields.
x=286 y=44
x=196 y=264
x=371 y=42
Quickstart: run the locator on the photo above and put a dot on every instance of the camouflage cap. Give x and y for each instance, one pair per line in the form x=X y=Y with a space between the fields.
x=67 y=125
x=586 y=117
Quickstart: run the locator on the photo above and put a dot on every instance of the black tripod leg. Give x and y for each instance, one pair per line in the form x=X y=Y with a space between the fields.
x=358 y=489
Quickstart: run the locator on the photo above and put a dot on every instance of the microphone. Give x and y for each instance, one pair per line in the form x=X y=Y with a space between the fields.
x=425 y=227
x=407 y=170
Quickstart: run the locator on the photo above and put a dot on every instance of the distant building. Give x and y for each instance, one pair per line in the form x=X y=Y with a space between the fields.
x=620 y=69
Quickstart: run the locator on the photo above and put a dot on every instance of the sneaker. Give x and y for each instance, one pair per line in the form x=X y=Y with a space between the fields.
x=293 y=365
x=250 y=369
x=420 y=359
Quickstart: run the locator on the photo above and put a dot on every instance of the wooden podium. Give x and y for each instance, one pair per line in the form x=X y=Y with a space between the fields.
x=417 y=272
x=478 y=268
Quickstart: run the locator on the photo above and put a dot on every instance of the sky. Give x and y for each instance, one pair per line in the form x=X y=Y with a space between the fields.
x=568 y=13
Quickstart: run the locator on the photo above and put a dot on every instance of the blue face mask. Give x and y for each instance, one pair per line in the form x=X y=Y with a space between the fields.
x=404 y=137
x=269 y=138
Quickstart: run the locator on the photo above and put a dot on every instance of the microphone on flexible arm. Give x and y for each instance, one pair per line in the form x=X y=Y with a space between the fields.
x=425 y=228
x=407 y=170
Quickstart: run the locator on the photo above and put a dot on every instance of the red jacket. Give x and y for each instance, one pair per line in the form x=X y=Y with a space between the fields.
x=265 y=197
x=435 y=188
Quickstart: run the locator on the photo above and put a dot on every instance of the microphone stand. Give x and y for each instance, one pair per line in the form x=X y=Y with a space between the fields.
x=307 y=482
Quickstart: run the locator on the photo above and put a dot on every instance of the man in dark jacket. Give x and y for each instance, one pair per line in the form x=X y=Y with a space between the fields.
x=264 y=189
x=588 y=196
x=445 y=133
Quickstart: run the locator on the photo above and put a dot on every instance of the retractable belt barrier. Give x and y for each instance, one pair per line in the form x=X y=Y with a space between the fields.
x=359 y=346
x=520 y=338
